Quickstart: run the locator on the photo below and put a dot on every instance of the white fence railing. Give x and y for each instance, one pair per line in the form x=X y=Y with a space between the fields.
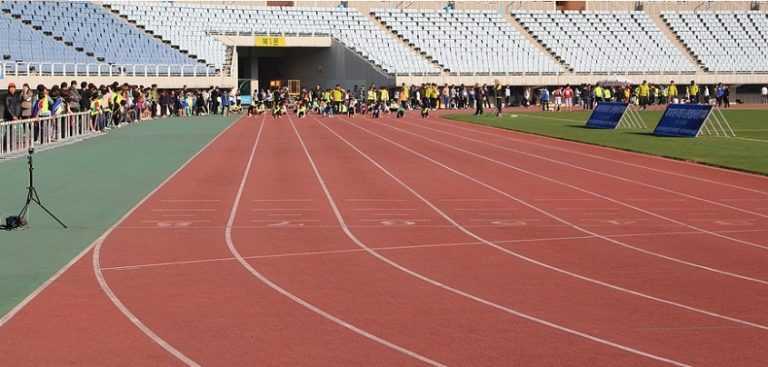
x=20 y=135
x=106 y=70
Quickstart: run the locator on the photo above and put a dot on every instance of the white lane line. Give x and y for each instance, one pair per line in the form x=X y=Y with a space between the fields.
x=550 y=215
x=624 y=179
x=532 y=318
x=190 y=201
x=233 y=250
x=407 y=247
x=613 y=151
x=96 y=245
x=597 y=195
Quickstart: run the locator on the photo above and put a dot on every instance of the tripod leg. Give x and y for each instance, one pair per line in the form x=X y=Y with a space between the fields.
x=33 y=197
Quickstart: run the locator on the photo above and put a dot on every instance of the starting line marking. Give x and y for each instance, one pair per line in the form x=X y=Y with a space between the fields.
x=415 y=247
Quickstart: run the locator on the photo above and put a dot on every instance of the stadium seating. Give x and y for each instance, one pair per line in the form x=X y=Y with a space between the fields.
x=85 y=28
x=15 y=41
x=469 y=41
x=188 y=25
x=605 y=42
x=724 y=41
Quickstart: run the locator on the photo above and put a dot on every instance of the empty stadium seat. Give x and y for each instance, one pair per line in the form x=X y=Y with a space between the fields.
x=188 y=26
x=467 y=41
x=605 y=42
x=724 y=41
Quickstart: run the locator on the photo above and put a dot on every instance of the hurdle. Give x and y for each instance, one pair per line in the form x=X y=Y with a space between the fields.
x=717 y=125
x=631 y=119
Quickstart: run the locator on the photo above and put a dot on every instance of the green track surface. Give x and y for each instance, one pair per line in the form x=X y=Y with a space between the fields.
x=89 y=185
x=748 y=152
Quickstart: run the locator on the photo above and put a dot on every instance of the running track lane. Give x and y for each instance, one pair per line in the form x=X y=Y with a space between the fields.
x=655 y=178
x=594 y=216
x=329 y=271
x=711 y=247
x=203 y=302
x=712 y=337
x=71 y=322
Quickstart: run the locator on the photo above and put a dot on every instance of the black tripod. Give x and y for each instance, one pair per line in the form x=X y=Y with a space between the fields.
x=32 y=194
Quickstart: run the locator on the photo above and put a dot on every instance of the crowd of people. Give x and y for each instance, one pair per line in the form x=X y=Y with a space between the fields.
x=117 y=104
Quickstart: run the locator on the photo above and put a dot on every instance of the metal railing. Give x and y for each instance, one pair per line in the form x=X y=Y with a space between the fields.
x=21 y=69
x=19 y=135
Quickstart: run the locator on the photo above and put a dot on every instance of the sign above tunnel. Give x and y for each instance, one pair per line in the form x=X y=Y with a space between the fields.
x=270 y=41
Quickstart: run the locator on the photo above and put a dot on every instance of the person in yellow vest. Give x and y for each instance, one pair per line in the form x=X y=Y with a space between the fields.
x=384 y=95
x=627 y=94
x=694 y=92
x=94 y=124
x=643 y=92
x=404 y=96
x=337 y=97
x=671 y=92
x=371 y=97
x=598 y=91
x=607 y=95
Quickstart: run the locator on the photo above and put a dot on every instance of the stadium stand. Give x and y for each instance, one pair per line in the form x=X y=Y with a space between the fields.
x=602 y=41
x=72 y=24
x=471 y=41
x=348 y=26
x=15 y=38
x=723 y=41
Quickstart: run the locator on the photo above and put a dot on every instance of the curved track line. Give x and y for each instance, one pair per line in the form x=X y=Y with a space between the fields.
x=523 y=257
x=723 y=272
x=668 y=160
x=746 y=211
x=413 y=273
x=8 y=316
x=103 y=282
x=233 y=249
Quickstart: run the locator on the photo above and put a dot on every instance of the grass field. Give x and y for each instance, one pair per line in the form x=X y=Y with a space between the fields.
x=747 y=152
x=89 y=186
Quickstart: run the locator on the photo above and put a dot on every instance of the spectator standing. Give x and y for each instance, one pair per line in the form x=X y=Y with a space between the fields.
x=498 y=95
x=726 y=96
x=11 y=112
x=73 y=98
x=719 y=92
x=527 y=97
x=26 y=98
x=507 y=96
x=644 y=92
x=764 y=95
x=671 y=92
x=693 y=90
x=557 y=94
x=225 y=102
x=479 y=96
x=568 y=97
x=544 y=98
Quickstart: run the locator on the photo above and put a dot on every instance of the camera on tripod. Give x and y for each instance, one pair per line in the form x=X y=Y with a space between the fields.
x=20 y=221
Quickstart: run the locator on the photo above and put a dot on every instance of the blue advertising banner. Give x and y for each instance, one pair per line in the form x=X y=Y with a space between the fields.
x=245 y=100
x=607 y=115
x=683 y=120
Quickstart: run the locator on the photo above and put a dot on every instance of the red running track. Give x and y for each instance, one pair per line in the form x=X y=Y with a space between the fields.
x=415 y=242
